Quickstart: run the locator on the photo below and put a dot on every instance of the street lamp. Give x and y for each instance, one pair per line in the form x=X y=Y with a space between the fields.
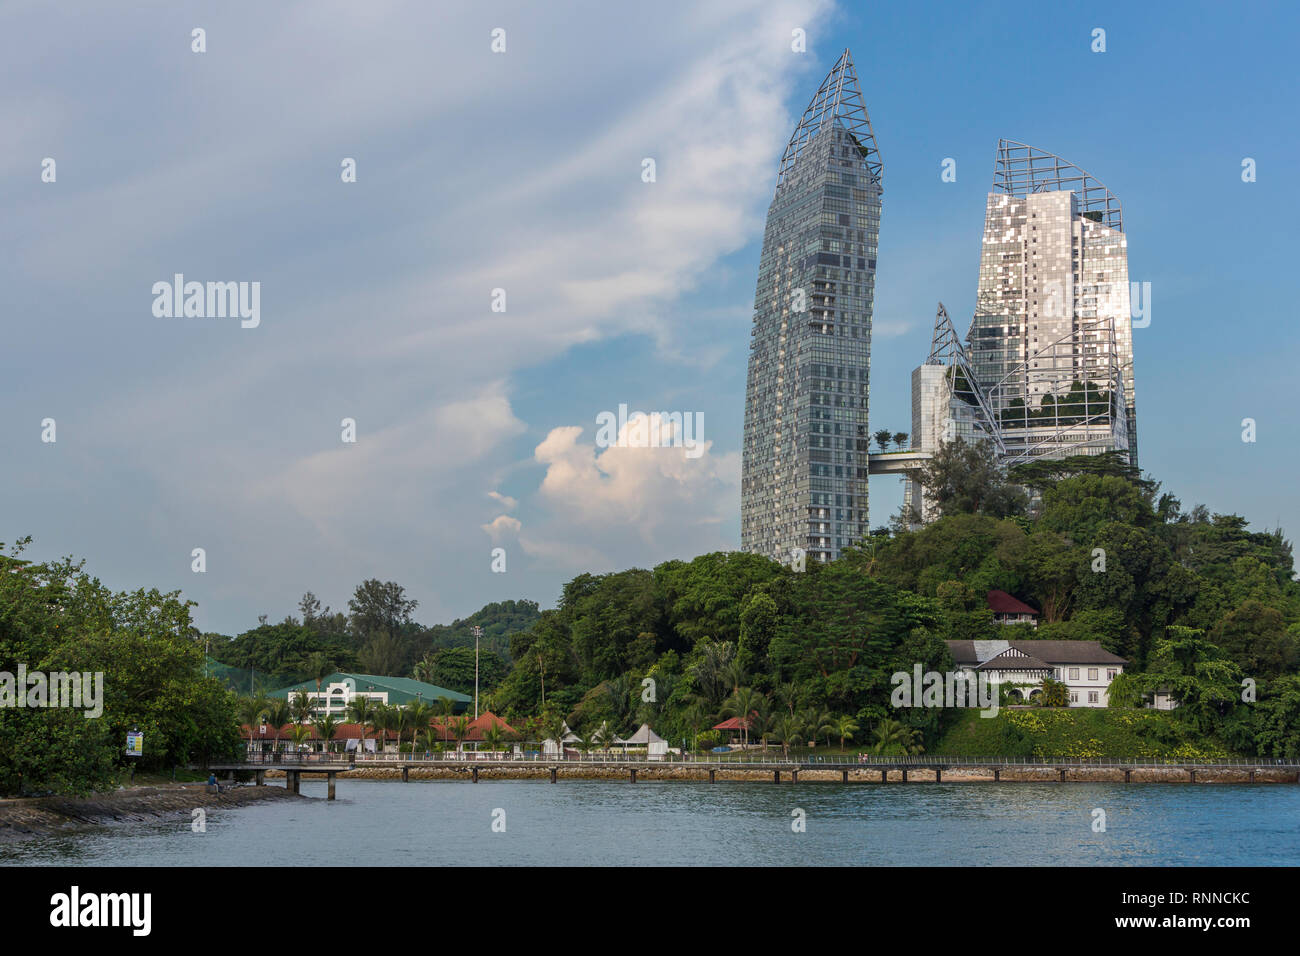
x=478 y=632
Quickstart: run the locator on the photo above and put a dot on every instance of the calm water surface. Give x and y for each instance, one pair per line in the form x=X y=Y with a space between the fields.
x=441 y=823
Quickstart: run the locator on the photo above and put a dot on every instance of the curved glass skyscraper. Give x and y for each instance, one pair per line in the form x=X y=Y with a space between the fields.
x=804 y=469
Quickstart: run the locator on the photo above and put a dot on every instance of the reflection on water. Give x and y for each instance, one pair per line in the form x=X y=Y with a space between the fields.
x=442 y=823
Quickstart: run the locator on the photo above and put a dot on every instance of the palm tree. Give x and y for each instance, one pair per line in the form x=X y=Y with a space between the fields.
x=710 y=670
x=787 y=731
x=494 y=736
x=279 y=715
x=734 y=675
x=607 y=736
x=846 y=727
x=319 y=667
x=696 y=716
x=326 y=728
x=299 y=735
x=252 y=711
x=818 y=722
x=761 y=719
x=896 y=739
x=618 y=692
x=554 y=727
x=300 y=707
x=424 y=669
x=460 y=730
x=361 y=711
x=431 y=736
x=446 y=708
x=587 y=742
x=387 y=717
x=788 y=695
x=418 y=716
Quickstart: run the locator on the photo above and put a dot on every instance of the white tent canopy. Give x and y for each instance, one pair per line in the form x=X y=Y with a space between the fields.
x=645 y=737
x=549 y=746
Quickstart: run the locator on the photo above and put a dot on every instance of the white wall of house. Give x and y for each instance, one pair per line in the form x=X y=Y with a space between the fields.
x=1088 y=683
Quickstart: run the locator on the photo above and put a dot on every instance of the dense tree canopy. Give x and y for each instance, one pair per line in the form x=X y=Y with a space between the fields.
x=55 y=618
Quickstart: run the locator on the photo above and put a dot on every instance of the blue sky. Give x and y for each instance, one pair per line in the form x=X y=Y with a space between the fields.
x=521 y=171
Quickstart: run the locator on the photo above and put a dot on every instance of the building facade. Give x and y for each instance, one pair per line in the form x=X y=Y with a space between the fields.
x=1046 y=369
x=804 y=462
x=338 y=690
x=1051 y=341
x=1084 y=667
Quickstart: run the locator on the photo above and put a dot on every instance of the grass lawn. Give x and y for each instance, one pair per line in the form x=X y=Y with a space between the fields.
x=1083 y=732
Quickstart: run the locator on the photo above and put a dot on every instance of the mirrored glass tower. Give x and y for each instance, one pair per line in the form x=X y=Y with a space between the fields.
x=804 y=468
x=1051 y=342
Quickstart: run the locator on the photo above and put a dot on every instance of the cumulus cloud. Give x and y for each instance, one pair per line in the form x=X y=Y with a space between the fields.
x=502 y=527
x=631 y=502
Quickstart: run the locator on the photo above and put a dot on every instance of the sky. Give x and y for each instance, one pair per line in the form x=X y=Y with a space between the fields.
x=523 y=170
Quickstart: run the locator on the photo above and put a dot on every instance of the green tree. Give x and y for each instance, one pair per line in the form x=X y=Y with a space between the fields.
x=1053 y=694
x=894 y=739
x=788 y=732
x=845 y=728
x=326 y=728
x=361 y=711
x=965 y=478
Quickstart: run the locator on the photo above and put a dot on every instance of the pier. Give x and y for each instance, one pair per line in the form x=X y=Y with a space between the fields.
x=919 y=769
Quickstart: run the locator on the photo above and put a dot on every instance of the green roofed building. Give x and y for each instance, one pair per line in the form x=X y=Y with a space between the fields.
x=337 y=690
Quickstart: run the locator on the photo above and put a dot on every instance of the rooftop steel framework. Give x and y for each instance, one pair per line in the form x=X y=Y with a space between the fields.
x=946 y=349
x=1061 y=361
x=1022 y=169
x=838 y=98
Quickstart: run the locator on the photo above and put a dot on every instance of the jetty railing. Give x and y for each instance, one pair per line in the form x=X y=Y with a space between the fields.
x=746 y=759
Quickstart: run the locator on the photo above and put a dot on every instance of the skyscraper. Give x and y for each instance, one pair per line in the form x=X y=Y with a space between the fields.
x=804 y=467
x=1051 y=342
x=1047 y=367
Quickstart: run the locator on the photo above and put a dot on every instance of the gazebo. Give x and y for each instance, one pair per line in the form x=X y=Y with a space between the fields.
x=736 y=725
x=655 y=745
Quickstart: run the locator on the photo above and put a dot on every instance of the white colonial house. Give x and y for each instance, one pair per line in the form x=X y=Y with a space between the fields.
x=1085 y=667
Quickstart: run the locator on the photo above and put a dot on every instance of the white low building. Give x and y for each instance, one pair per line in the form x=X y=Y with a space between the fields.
x=1085 y=667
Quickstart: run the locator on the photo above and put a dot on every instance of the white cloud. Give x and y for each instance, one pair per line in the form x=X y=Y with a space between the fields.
x=502 y=527
x=637 y=505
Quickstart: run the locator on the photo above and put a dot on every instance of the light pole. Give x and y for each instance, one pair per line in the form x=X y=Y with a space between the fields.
x=478 y=632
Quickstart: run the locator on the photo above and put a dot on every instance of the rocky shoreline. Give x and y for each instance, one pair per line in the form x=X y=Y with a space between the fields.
x=31 y=817
x=865 y=775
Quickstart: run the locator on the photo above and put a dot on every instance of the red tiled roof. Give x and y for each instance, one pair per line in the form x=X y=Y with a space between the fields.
x=735 y=723
x=475 y=727
x=1000 y=602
